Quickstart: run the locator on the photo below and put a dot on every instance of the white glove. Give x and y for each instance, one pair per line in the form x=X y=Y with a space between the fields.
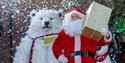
x=62 y=59
x=107 y=34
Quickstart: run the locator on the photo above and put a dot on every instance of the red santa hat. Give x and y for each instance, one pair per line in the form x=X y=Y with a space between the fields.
x=80 y=10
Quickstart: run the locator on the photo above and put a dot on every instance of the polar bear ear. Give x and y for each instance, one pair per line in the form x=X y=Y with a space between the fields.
x=60 y=13
x=33 y=13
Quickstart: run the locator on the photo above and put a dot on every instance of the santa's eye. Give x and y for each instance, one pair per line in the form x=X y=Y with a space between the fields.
x=41 y=18
x=51 y=18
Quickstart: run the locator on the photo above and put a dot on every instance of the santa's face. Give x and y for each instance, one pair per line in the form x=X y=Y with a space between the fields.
x=73 y=24
x=75 y=16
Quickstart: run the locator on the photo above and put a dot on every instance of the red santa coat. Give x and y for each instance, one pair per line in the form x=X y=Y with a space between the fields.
x=64 y=44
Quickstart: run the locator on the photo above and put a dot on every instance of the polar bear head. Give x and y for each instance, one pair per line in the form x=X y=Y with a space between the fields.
x=46 y=20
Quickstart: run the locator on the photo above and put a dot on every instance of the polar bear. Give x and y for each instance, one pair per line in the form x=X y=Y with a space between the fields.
x=31 y=49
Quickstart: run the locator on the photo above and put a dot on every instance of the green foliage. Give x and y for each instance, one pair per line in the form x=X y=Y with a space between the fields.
x=119 y=24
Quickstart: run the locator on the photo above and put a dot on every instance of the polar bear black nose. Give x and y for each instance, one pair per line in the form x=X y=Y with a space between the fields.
x=47 y=23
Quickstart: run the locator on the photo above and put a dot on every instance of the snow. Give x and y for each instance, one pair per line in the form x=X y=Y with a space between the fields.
x=3 y=7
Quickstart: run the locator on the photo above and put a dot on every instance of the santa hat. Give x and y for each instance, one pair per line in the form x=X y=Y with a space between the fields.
x=80 y=10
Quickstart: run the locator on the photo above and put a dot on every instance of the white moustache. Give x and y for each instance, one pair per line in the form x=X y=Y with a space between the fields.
x=73 y=28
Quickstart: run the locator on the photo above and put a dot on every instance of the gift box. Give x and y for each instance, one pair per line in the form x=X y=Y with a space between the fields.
x=48 y=40
x=97 y=17
x=92 y=34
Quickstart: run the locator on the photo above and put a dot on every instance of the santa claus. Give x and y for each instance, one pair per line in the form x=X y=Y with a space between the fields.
x=71 y=46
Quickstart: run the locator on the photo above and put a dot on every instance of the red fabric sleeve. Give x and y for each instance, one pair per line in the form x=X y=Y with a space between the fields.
x=102 y=42
x=58 y=45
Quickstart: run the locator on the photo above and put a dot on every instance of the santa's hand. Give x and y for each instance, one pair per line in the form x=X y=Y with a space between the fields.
x=107 y=34
x=62 y=59
x=105 y=31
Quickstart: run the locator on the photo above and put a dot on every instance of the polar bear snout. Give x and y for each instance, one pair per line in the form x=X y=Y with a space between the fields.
x=47 y=24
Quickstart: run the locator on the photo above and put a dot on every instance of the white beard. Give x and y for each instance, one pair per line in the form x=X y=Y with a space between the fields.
x=73 y=28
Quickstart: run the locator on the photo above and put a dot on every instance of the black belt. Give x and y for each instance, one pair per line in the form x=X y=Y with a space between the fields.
x=82 y=53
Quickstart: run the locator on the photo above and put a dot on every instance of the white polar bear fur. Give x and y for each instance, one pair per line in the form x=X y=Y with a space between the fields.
x=103 y=50
x=41 y=54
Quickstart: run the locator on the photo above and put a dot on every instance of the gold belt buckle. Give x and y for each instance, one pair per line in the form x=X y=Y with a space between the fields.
x=86 y=53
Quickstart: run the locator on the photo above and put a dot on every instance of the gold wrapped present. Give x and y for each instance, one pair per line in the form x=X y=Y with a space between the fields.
x=97 y=17
x=48 y=40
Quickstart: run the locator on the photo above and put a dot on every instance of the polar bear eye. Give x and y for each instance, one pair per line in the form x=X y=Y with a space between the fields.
x=41 y=18
x=60 y=15
x=51 y=18
x=33 y=14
